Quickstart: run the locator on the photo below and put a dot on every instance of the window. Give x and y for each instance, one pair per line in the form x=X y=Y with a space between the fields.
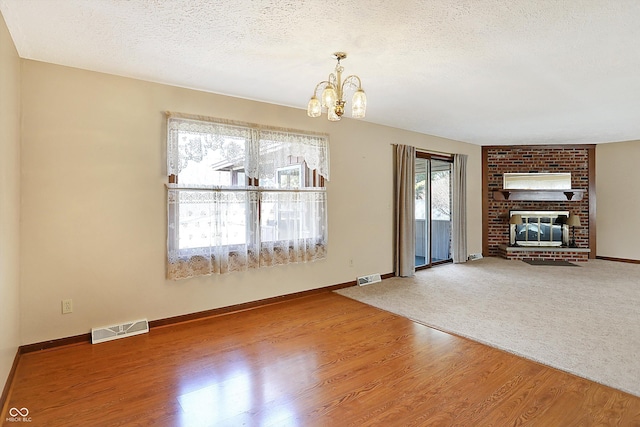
x=242 y=197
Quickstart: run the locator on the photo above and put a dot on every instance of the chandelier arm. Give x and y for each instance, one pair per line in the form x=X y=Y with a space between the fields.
x=330 y=82
x=324 y=82
x=348 y=80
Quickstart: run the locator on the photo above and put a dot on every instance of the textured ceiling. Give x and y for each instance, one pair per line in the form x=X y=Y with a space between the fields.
x=481 y=71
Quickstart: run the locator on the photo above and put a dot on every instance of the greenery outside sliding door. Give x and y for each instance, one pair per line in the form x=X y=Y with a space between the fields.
x=433 y=209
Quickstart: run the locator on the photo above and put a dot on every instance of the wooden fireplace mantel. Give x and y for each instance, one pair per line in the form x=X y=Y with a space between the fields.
x=539 y=195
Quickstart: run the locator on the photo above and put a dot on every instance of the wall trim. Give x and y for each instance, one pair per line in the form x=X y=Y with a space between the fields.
x=85 y=338
x=608 y=258
x=485 y=200
x=592 y=202
x=244 y=306
x=4 y=398
x=76 y=339
x=58 y=342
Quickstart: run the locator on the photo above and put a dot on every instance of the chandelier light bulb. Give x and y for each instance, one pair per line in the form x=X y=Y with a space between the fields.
x=359 y=105
x=314 y=109
x=329 y=97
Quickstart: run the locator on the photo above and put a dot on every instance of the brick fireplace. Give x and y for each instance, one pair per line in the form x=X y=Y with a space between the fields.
x=577 y=160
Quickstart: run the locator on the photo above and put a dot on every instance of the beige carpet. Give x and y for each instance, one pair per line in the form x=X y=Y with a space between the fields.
x=584 y=320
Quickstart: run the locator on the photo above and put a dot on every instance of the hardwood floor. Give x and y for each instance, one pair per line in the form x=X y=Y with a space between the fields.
x=322 y=360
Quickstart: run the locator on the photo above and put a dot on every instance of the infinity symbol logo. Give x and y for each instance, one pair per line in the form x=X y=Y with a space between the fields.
x=14 y=412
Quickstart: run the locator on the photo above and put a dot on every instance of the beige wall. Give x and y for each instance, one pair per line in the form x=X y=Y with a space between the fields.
x=9 y=202
x=94 y=215
x=618 y=198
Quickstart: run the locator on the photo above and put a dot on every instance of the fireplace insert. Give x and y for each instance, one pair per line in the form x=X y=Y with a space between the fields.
x=540 y=228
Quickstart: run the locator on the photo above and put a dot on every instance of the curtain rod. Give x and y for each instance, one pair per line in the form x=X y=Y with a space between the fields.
x=429 y=151
x=215 y=120
x=171 y=186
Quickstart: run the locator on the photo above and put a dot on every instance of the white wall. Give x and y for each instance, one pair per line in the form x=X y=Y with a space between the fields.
x=94 y=215
x=9 y=202
x=618 y=199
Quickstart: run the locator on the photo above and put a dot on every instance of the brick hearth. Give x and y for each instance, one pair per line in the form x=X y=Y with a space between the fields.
x=546 y=253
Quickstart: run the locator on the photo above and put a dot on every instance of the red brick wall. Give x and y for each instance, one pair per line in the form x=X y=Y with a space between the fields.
x=528 y=159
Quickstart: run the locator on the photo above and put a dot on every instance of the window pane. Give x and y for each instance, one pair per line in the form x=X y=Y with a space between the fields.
x=421 y=206
x=280 y=149
x=211 y=160
x=290 y=177
x=440 y=229
x=290 y=216
x=280 y=166
x=211 y=218
x=432 y=210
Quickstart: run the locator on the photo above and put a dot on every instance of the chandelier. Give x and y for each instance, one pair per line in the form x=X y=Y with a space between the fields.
x=332 y=95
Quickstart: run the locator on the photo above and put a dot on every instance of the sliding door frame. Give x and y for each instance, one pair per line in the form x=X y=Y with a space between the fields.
x=432 y=156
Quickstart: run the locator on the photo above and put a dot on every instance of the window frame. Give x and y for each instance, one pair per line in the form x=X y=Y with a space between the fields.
x=310 y=181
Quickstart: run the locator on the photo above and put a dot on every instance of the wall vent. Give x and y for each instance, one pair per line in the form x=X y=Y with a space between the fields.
x=108 y=333
x=474 y=257
x=367 y=280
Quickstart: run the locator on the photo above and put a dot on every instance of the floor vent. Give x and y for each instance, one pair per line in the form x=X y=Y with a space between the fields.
x=367 y=280
x=108 y=333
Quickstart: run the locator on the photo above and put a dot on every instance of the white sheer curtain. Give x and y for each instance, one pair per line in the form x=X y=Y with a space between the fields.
x=209 y=232
x=276 y=146
x=290 y=225
x=243 y=196
x=459 y=209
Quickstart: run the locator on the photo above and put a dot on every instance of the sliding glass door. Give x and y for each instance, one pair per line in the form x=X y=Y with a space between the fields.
x=440 y=210
x=423 y=253
x=433 y=210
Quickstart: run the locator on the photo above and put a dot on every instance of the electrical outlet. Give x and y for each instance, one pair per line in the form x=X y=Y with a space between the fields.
x=67 y=306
